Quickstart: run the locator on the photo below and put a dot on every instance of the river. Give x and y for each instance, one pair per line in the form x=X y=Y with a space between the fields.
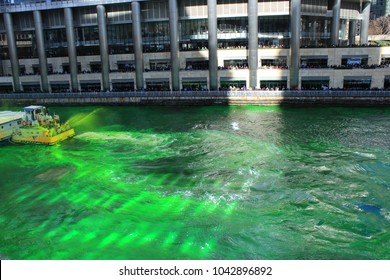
x=201 y=183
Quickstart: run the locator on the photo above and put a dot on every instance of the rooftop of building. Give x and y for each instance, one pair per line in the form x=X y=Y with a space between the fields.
x=28 y=5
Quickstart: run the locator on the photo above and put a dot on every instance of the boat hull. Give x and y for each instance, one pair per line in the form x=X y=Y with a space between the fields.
x=42 y=139
x=4 y=142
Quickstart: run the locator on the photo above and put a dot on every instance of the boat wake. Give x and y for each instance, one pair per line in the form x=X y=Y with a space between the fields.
x=138 y=138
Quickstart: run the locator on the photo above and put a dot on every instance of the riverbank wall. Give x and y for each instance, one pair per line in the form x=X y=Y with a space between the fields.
x=261 y=98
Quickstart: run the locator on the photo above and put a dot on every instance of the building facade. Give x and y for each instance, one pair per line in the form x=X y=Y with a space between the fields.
x=380 y=8
x=124 y=45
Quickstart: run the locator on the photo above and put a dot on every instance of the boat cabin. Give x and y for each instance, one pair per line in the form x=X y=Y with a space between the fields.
x=9 y=121
x=32 y=113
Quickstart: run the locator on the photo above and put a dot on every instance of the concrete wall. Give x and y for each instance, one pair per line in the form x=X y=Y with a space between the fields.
x=204 y=100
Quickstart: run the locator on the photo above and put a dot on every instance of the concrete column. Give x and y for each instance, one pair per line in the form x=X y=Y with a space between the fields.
x=295 y=18
x=334 y=35
x=253 y=42
x=213 y=44
x=13 y=54
x=101 y=15
x=41 y=50
x=365 y=23
x=72 y=54
x=174 y=34
x=343 y=29
x=137 y=39
x=352 y=31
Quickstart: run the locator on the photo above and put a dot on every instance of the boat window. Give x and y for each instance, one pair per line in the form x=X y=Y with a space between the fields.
x=10 y=124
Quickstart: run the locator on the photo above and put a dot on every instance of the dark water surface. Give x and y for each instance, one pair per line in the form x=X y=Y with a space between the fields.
x=202 y=183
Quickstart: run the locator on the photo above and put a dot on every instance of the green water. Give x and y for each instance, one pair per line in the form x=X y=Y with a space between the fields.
x=202 y=183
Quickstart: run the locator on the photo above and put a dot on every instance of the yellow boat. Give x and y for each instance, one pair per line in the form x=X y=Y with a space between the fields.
x=37 y=126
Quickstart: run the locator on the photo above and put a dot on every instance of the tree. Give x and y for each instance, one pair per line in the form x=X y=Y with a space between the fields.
x=380 y=26
x=384 y=25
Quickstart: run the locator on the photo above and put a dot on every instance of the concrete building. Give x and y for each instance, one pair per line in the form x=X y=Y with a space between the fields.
x=380 y=8
x=122 y=45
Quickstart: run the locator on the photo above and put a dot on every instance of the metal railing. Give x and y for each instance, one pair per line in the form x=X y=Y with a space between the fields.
x=199 y=94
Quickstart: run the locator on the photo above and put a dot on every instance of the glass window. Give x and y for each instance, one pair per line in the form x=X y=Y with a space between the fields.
x=313 y=62
x=194 y=85
x=277 y=62
x=87 y=35
x=155 y=36
x=274 y=31
x=232 y=32
x=66 y=68
x=90 y=86
x=120 y=34
x=315 y=31
x=234 y=64
x=123 y=86
x=387 y=83
x=385 y=61
x=55 y=38
x=157 y=85
x=36 y=69
x=320 y=84
x=25 y=42
x=88 y=50
x=32 y=87
x=56 y=42
x=59 y=87
x=193 y=34
x=22 y=69
x=96 y=67
x=126 y=66
x=6 y=88
x=273 y=85
x=357 y=84
x=197 y=65
x=232 y=84
x=159 y=65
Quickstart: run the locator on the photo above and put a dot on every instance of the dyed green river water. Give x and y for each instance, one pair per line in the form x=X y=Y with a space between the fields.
x=202 y=183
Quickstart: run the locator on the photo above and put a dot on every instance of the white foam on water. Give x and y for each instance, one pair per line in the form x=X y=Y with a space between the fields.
x=366 y=155
x=235 y=125
x=140 y=139
x=323 y=169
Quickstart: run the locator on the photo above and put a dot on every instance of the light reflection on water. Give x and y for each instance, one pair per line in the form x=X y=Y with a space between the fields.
x=202 y=183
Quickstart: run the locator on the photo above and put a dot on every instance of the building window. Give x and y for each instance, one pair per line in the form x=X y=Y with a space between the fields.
x=274 y=31
x=120 y=38
x=194 y=64
x=155 y=36
x=159 y=65
x=234 y=64
x=357 y=83
x=193 y=34
x=232 y=32
x=273 y=84
x=233 y=84
x=314 y=62
x=315 y=83
x=274 y=62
